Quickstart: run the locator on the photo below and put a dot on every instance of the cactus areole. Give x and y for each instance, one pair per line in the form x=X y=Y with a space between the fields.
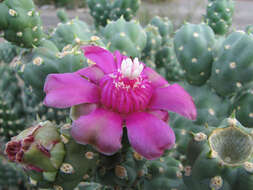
x=116 y=91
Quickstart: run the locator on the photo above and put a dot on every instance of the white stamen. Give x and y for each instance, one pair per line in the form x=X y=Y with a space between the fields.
x=131 y=69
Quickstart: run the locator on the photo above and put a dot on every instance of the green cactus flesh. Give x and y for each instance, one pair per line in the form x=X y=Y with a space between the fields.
x=193 y=45
x=21 y=23
x=233 y=67
x=127 y=37
x=219 y=15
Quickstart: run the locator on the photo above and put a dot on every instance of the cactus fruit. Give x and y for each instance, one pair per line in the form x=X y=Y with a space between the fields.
x=11 y=176
x=7 y=52
x=104 y=10
x=243 y=104
x=233 y=67
x=51 y=157
x=219 y=15
x=222 y=153
x=73 y=32
x=39 y=149
x=127 y=37
x=193 y=45
x=20 y=23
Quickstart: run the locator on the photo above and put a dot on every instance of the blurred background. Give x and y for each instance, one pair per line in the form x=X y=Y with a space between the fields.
x=177 y=11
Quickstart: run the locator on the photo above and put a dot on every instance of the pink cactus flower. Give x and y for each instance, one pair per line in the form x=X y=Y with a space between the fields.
x=119 y=92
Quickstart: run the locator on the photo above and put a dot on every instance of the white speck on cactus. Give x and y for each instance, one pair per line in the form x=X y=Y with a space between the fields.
x=211 y=111
x=35 y=28
x=248 y=166
x=19 y=34
x=12 y=12
x=30 y=13
x=181 y=48
x=94 y=38
x=195 y=34
x=123 y=34
x=232 y=65
x=251 y=115
x=239 y=85
x=38 y=61
x=200 y=137
x=194 y=60
x=216 y=183
x=89 y=155
x=227 y=47
x=67 y=168
x=57 y=187
x=131 y=69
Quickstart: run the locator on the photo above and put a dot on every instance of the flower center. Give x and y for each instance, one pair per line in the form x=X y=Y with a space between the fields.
x=126 y=90
x=131 y=69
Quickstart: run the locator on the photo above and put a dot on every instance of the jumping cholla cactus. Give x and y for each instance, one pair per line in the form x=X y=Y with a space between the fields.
x=117 y=133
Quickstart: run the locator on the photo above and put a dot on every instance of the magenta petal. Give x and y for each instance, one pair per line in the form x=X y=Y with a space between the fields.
x=103 y=58
x=82 y=109
x=102 y=129
x=148 y=135
x=174 y=98
x=160 y=114
x=118 y=58
x=68 y=89
x=156 y=79
x=93 y=73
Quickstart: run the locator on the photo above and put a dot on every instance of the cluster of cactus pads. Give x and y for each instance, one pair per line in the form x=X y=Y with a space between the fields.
x=214 y=65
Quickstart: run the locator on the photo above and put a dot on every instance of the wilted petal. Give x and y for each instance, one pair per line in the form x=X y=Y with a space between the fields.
x=156 y=79
x=174 y=98
x=68 y=89
x=92 y=73
x=102 y=129
x=102 y=57
x=160 y=114
x=82 y=109
x=148 y=135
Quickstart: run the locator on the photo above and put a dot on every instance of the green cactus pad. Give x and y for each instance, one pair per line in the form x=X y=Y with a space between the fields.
x=21 y=23
x=219 y=15
x=243 y=104
x=70 y=33
x=193 y=45
x=127 y=37
x=233 y=67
